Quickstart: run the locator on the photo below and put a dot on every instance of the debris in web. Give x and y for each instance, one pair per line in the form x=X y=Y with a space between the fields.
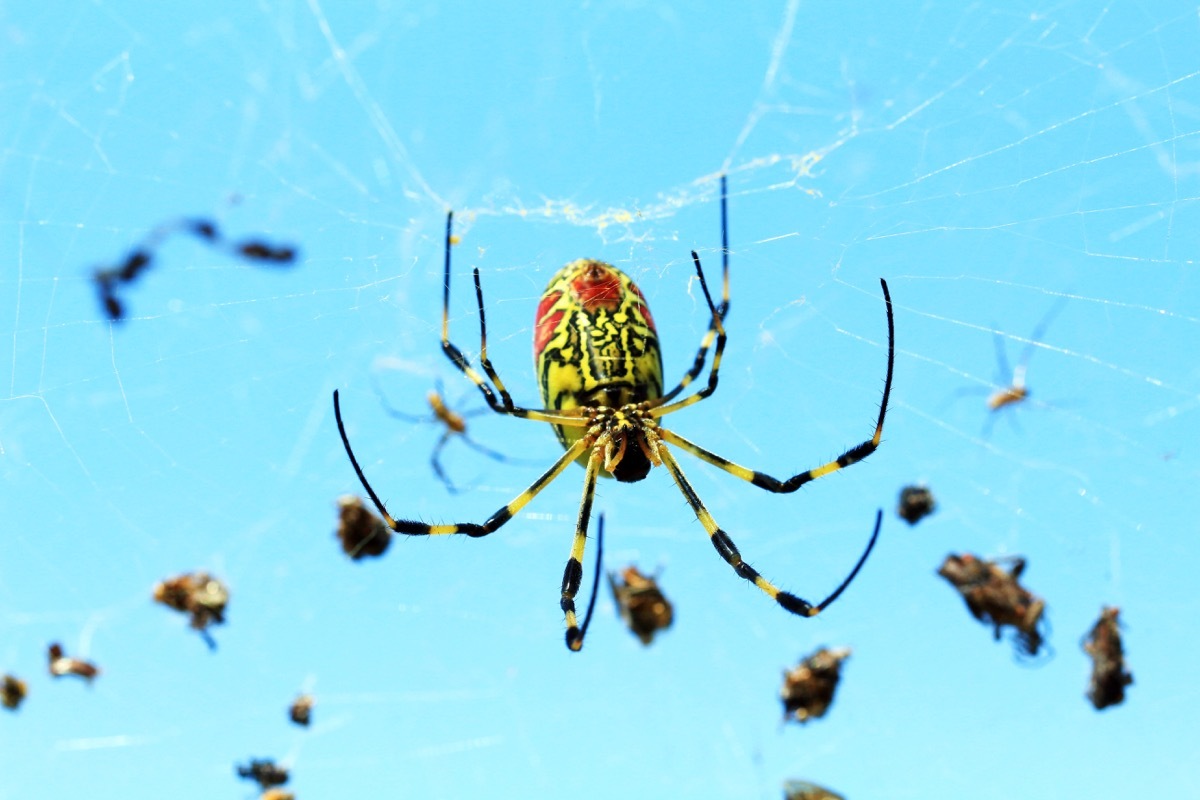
x=1109 y=676
x=141 y=258
x=361 y=533
x=641 y=603
x=808 y=688
x=12 y=692
x=803 y=790
x=995 y=596
x=263 y=771
x=916 y=503
x=300 y=712
x=200 y=596
x=61 y=664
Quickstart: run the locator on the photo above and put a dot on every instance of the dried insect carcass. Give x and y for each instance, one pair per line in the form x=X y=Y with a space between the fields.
x=916 y=503
x=642 y=605
x=1109 y=676
x=199 y=595
x=994 y=596
x=300 y=712
x=141 y=257
x=12 y=692
x=360 y=532
x=803 y=790
x=61 y=664
x=265 y=772
x=808 y=689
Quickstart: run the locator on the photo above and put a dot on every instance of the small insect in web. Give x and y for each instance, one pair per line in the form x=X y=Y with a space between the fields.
x=1109 y=676
x=12 y=692
x=199 y=595
x=62 y=664
x=995 y=596
x=265 y=772
x=808 y=688
x=803 y=790
x=300 y=711
x=641 y=603
x=455 y=429
x=140 y=258
x=361 y=533
x=916 y=503
x=1011 y=389
x=599 y=369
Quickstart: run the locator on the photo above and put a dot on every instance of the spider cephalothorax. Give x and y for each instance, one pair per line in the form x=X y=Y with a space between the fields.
x=599 y=369
x=627 y=439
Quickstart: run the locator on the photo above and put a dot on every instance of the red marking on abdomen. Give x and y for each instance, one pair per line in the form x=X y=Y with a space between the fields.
x=597 y=287
x=645 y=306
x=545 y=323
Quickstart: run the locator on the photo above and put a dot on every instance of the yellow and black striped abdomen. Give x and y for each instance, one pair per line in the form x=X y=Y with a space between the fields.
x=594 y=342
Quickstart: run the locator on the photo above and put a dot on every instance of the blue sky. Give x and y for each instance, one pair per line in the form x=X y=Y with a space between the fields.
x=987 y=162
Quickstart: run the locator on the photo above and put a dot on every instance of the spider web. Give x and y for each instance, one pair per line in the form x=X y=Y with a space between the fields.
x=994 y=165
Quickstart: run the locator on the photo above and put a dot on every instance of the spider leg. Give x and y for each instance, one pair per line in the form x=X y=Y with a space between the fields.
x=573 y=574
x=1004 y=374
x=851 y=456
x=718 y=312
x=1035 y=338
x=505 y=404
x=495 y=455
x=657 y=409
x=396 y=413
x=587 y=617
x=501 y=516
x=435 y=461
x=729 y=551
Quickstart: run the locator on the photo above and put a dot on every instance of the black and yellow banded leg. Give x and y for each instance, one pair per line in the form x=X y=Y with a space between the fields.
x=718 y=329
x=765 y=481
x=484 y=361
x=503 y=515
x=851 y=456
x=504 y=405
x=573 y=574
x=729 y=551
x=718 y=313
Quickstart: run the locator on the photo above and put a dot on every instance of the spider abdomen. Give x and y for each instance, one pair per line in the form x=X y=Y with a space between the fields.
x=594 y=343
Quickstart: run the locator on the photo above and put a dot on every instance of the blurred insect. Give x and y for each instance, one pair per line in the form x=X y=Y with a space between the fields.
x=600 y=373
x=916 y=503
x=300 y=711
x=803 y=790
x=994 y=596
x=808 y=688
x=361 y=533
x=277 y=794
x=1109 y=676
x=641 y=603
x=140 y=258
x=455 y=423
x=265 y=772
x=199 y=595
x=12 y=692
x=61 y=664
x=1013 y=389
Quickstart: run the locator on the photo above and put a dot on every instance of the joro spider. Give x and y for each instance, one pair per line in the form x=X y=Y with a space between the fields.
x=600 y=373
